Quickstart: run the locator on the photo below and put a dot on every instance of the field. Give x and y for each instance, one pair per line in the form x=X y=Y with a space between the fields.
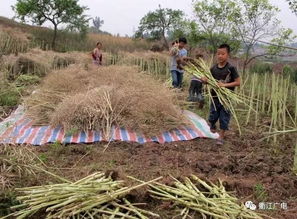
x=259 y=165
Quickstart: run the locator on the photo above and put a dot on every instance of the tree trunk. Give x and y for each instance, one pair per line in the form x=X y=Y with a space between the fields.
x=165 y=42
x=244 y=66
x=246 y=60
x=55 y=37
x=213 y=45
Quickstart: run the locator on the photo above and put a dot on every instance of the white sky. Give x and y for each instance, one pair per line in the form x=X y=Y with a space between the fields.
x=123 y=16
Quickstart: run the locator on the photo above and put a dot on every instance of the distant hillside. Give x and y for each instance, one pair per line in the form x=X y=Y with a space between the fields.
x=294 y=45
x=17 y=37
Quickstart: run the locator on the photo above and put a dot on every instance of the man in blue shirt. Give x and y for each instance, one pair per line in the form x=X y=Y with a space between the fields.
x=176 y=59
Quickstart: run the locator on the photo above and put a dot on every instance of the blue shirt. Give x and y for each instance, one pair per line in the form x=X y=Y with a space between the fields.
x=181 y=53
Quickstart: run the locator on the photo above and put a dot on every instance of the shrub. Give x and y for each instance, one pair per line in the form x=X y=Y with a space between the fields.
x=261 y=68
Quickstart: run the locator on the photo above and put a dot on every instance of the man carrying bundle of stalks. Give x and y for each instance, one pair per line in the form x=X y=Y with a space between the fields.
x=228 y=77
x=178 y=55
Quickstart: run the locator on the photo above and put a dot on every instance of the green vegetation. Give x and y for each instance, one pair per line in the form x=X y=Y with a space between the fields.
x=26 y=80
x=17 y=37
x=260 y=192
x=55 y=11
x=265 y=107
x=261 y=68
x=293 y=5
x=155 y=25
x=212 y=19
x=291 y=72
x=10 y=43
x=9 y=94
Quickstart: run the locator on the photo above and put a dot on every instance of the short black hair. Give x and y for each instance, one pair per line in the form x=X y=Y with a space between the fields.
x=225 y=46
x=174 y=42
x=98 y=43
x=182 y=40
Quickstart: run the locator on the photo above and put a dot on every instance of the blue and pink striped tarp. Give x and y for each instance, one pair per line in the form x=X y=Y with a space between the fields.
x=17 y=129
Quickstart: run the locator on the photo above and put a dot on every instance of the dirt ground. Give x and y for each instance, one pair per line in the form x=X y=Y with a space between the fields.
x=253 y=170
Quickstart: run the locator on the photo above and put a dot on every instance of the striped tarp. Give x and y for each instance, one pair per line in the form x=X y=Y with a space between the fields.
x=17 y=129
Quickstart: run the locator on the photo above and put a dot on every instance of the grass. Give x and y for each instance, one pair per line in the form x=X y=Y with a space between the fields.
x=295 y=160
x=157 y=64
x=261 y=68
x=7 y=200
x=41 y=37
x=10 y=94
x=56 y=149
x=38 y=62
x=11 y=43
x=260 y=192
x=26 y=80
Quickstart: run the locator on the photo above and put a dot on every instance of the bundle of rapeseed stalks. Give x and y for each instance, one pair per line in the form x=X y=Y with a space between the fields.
x=95 y=196
x=227 y=97
x=198 y=197
x=82 y=99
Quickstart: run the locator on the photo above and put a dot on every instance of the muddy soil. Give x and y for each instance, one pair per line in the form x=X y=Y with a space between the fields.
x=252 y=169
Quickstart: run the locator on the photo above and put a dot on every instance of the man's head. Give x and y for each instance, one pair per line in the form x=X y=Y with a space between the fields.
x=174 y=43
x=199 y=56
x=99 y=45
x=182 y=42
x=223 y=53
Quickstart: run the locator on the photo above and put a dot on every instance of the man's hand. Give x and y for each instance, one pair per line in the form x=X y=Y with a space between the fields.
x=221 y=84
x=204 y=79
x=231 y=84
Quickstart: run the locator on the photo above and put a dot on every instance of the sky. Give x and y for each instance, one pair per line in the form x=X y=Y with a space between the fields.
x=123 y=16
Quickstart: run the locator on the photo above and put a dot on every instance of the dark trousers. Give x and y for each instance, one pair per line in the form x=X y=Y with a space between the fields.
x=195 y=91
x=177 y=79
x=218 y=112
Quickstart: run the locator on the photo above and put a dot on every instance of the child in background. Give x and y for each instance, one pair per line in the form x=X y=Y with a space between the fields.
x=174 y=49
x=177 y=60
x=195 y=90
x=97 y=54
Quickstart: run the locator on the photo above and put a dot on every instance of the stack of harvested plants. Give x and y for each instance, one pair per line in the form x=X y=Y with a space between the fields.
x=95 y=196
x=98 y=98
x=202 y=199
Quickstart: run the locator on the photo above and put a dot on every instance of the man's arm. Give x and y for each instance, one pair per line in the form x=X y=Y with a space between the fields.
x=235 y=75
x=183 y=59
x=173 y=51
x=231 y=84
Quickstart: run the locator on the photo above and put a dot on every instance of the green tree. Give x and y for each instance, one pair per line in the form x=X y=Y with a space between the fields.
x=97 y=24
x=188 y=29
x=293 y=5
x=254 y=21
x=278 y=44
x=55 y=11
x=214 y=18
x=79 y=25
x=157 y=24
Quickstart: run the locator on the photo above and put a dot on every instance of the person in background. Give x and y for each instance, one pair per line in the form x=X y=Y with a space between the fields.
x=227 y=76
x=97 y=54
x=174 y=48
x=177 y=60
x=196 y=85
